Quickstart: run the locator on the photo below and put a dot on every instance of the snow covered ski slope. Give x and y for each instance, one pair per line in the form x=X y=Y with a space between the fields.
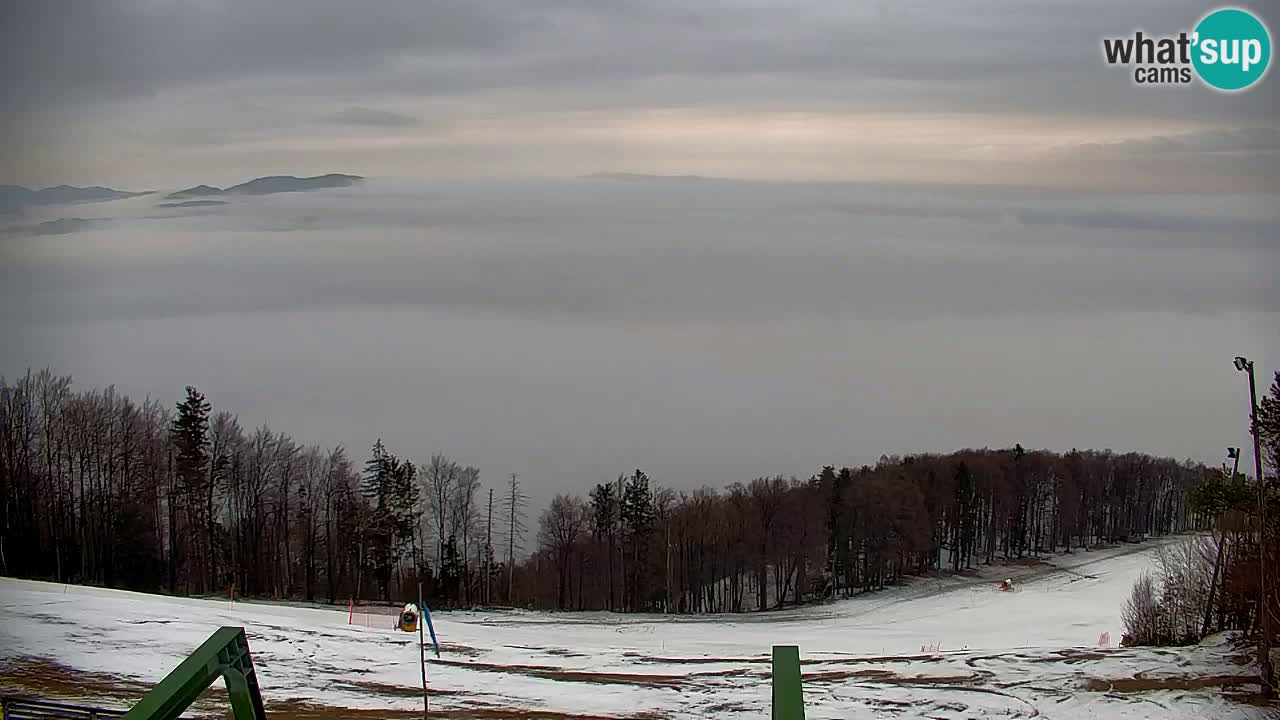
x=1031 y=653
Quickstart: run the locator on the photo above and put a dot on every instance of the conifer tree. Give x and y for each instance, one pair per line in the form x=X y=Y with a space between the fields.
x=190 y=432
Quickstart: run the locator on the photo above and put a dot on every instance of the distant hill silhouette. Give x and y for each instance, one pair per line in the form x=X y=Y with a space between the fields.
x=288 y=183
x=193 y=204
x=197 y=191
x=61 y=226
x=13 y=197
x=269 y=185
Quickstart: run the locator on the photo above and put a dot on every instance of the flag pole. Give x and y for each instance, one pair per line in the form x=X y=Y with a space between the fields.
x=422 y=655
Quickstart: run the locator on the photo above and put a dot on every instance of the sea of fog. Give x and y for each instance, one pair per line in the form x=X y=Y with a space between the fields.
x=707 y=331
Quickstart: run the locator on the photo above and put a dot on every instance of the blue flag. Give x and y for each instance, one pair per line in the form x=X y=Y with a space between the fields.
x=426 y=613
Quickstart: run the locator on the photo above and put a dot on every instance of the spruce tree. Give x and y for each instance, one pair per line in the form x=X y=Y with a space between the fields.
x=190 y=432
x=380 y=532
x=377 y=475
x=604 y=525
x=191 y=438
x=638 y=519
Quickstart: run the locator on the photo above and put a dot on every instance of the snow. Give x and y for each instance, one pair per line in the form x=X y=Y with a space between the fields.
x=1029 y=653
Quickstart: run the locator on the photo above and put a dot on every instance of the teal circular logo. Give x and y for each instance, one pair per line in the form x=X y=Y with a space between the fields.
x=1232 y=49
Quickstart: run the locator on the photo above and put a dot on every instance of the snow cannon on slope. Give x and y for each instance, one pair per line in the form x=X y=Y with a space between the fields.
x=408 y=621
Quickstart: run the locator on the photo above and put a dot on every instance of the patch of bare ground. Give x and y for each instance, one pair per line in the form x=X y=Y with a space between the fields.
x=1182 y=682
x=602 y=678
x=51 y=680
x=463 y=650
x=735 y=673
x=549 y=672
x=851 y=660
x=838 y=675
x=701 y=661
x=893 y=706
x=613 y=678
x=722 y=708
x=1070 y=656
x=1253 y=697
x=53 y=619
x=377 y=688
x=869 y=660
x=43 y=678
x=558 y=652
x=298 y=710
x=561 y=652
x=889 y=677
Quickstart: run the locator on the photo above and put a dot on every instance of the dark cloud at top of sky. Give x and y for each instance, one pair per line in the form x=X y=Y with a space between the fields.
x=60 y=50
x=142 y=91
x=984 y=55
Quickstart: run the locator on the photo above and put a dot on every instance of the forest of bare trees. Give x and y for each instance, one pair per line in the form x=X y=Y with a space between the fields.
x=97 y=488
x=632 y=546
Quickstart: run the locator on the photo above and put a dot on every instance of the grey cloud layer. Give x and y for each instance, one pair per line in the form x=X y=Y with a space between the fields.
x=705 y=251
x=98 y=91
x=984 y=55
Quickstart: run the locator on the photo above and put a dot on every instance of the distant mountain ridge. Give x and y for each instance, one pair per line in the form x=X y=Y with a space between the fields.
x=197 y=191
x=270 y=185
x=193 y=204
x=15 y=196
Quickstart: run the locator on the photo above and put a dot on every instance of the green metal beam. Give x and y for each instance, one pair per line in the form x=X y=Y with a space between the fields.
x=788 y=697
x=224 y=655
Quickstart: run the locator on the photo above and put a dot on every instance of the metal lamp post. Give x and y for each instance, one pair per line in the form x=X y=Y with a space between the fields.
x=1264 y=648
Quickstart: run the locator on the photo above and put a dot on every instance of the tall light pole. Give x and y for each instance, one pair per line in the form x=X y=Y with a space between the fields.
x=1264 y=647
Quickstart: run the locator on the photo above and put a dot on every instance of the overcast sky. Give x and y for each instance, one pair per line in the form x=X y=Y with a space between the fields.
x=166 y=93
x=708 y=331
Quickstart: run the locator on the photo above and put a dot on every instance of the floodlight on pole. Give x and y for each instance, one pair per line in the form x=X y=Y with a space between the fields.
x=1233 y=454
x=1264 y=648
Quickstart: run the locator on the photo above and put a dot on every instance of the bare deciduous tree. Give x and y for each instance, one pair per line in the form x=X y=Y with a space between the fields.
x=558 y=531
x=102 y=490
x=514 y=504
x=439 y=477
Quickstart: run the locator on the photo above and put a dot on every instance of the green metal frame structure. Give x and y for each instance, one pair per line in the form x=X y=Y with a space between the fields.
x=224 y=655
x=788 y=695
